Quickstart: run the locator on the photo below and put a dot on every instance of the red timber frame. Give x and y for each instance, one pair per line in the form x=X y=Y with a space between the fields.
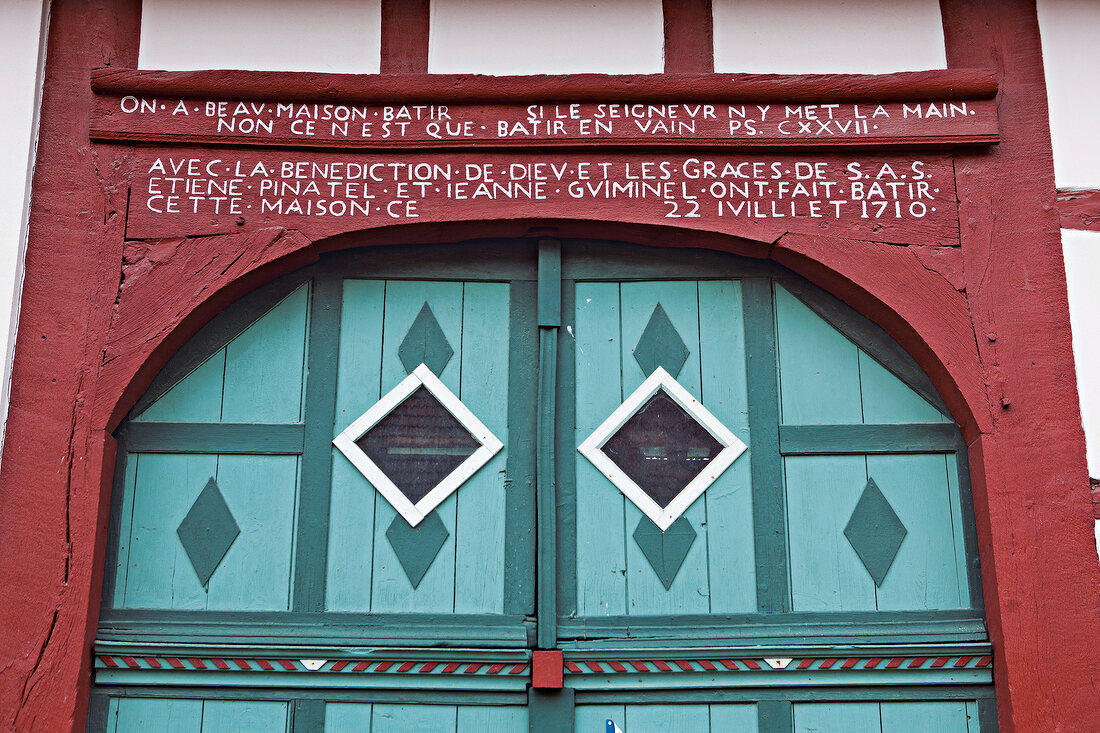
x=987 y=320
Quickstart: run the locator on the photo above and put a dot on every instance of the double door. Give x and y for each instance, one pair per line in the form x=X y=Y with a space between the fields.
x=366 y=494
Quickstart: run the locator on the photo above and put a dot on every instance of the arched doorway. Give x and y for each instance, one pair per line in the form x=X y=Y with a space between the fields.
x=768 y=526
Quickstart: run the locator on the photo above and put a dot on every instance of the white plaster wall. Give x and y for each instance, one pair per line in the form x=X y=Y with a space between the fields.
x=503 y=37
x=1082 y=253
x=1071 y=56
x=827 y=36
x=20 y=55
x=340 y=36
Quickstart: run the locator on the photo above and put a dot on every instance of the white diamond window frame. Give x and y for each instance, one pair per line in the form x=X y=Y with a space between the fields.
x=422 y=376
x=663 y=517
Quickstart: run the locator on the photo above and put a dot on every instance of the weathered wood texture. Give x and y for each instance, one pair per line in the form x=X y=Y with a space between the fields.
x=1039 y=570
x=1079 y=209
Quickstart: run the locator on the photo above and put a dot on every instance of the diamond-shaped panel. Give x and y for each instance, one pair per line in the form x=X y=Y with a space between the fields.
x=660 y=345
x=208 y=531
x=425 y=343
x=418 y=444
x=662 y=448
x=417 y=547
x=875 y=532
x=665 y=551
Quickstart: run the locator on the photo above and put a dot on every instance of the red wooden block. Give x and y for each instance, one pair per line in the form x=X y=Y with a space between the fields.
x=546 y=669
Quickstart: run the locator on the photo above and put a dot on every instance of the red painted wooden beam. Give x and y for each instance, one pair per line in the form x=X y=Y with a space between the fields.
x=689 y=36
x=940 y=85
x=1079 y=209
x=405 y=28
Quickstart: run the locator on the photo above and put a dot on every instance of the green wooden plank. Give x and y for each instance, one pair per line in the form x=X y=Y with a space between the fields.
x=519 y=493
x=244 y=716
x=818 y=367
x=352 y=499
x=546 y=604
x=865 y=334
x=159 y=573
x=734 y=718
x=102 y=713
x=773 y=594
x=120 y=528
x=166 y=437
x=480 y=518
x=604 y=260
x=826 y=573
x=391 y=591
x=664 y=718
x=730 y=543
x=264 y=365
x=138 y=715
x=958 y=476
x=413 y=718
x=987 y=715
x=195 y=398
x=861 y=439
x=592 y=718
x=836 y=717
x=925 y=573
x=600 y=532
x=774 y=716
x=214 y=336
x=679 y=300
x=307 y=716
x=319 y=415
x=549 y=308
x=491 y=719
x=835 y=694
x=566 y=454
x=505 y=259
x=347 y=717
x=396 y=696
x=261 y=492
x=886 y=399
x=924 y=717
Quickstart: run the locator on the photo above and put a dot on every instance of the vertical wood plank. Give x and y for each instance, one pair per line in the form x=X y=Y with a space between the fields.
x=264 y=365
x=566 y=454
x=729 y=499
x=122 y=513
x=358 y=386
x=254 y=575
x=519 y=492
x=775 y=716
x=826 y=573
x=244 y=716
x=690 y=591
x=886 y=399
x=141 y=715
x=962 y=504
x=551 y=711
x=549 y=320
x=347 y=717
x=925 y=571
x=491 y=718
x=924 y=717
x=307 y=714
x=601 y=535
x=195 y=398
x=769 y=511
x=391 y=591
x=836 y=717
x=664 y=718
x=318 y=414
x=413 y=718
x=734 y=717
x=594 y=717
x=480 y=519
x=818 y=367
x=159 y=574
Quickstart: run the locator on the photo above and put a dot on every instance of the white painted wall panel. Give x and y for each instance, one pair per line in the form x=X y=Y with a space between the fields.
x=20 y=52
x=1071 y=57
x=827 y=36
x=503 y=37
x=341 y=36
x=1082 y=254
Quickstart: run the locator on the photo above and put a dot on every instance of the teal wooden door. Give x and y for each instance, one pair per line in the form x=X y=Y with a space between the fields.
x=355 y=501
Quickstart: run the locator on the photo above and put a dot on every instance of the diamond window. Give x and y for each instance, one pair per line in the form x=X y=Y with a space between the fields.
x=662 y=448
x=418 y=444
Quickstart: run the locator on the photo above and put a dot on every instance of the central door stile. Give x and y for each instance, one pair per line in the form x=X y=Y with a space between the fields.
x=549 y=321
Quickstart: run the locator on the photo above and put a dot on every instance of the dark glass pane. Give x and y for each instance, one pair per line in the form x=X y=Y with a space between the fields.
x=662 y=448
x=418 y=444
